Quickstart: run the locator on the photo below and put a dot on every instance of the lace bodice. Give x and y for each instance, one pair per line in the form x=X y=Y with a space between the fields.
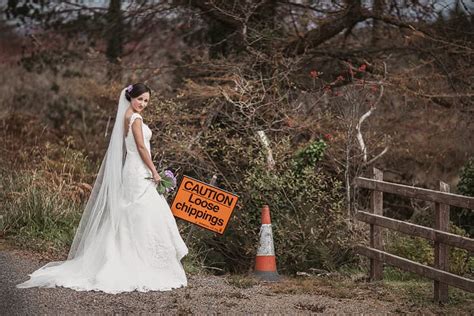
x=130 y=144
x=135 y=170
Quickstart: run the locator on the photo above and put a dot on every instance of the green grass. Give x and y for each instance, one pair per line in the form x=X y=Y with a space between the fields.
x=419 y=293
x=36 y=216
x=407 y=291
x=418 y=290
x=241 y=281
x=191 y=264
x=396 y=275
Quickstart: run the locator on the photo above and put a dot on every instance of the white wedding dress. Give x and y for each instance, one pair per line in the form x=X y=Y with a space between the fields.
x=144 y=250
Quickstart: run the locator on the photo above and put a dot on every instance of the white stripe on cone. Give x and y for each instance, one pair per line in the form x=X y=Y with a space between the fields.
x=266 y=241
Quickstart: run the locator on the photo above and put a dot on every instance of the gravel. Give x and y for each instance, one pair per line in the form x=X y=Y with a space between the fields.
x=205 y=294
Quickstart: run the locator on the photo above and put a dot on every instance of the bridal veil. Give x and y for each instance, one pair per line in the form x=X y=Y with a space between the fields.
x=105 y=201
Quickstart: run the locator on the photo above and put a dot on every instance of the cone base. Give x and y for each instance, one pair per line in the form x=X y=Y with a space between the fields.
x=265 y=263
x=270 y=276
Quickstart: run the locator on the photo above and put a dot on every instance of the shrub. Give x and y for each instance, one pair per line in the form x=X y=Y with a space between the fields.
x=466 y=183
x=307 y=215
x=464 y=218
x=309 y=155
x=421 y=250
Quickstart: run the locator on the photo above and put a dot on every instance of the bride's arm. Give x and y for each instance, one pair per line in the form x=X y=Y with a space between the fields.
x=138 y=135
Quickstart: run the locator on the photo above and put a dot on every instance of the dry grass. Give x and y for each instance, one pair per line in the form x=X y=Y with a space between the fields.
x=44 y=177
x=414 y=295
x=241 y=281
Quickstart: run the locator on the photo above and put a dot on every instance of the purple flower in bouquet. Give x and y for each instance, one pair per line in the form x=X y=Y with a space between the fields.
x=169 y=174
x=167 y=182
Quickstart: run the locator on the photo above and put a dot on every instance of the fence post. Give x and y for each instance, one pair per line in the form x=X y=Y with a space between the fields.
x=376 y=267
x=441 y=252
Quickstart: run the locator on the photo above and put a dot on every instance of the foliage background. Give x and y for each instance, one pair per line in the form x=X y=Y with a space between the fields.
x=304 y=73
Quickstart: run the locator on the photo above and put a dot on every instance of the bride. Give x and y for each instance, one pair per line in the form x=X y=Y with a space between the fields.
x=127 y=238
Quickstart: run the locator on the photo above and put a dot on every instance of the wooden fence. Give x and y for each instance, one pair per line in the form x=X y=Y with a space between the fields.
x=442 y=239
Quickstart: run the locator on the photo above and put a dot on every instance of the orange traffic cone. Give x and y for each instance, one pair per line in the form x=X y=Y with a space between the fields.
x=265 y=263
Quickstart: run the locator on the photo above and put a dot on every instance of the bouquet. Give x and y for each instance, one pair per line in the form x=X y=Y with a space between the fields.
x=167 y=182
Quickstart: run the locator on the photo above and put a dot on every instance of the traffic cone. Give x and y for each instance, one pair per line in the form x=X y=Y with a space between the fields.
x=265 y=263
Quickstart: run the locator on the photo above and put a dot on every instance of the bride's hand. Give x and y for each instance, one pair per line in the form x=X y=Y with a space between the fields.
x=156 y=178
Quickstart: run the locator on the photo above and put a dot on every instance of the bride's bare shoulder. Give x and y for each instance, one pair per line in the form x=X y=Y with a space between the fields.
x=126 y=121
x=127 y=115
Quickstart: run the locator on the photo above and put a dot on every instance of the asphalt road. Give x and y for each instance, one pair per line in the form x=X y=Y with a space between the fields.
x=205 y=294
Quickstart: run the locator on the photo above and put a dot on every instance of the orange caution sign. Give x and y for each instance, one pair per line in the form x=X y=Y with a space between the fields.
x=203 y=204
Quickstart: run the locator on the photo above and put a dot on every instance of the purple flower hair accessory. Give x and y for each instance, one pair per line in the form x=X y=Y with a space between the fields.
x=129 y=88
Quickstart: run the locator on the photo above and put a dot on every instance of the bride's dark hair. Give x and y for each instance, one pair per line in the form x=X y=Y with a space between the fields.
x=137 y=90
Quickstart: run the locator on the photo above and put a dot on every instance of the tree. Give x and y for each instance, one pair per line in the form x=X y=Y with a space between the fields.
x=115 y=38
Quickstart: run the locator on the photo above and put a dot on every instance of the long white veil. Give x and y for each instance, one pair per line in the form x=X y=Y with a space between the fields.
x=104 y=202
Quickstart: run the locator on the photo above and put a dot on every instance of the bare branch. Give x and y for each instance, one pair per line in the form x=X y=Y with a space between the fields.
x=359 y=136
x=327 y=30
x=266 y=144
x=371 y=161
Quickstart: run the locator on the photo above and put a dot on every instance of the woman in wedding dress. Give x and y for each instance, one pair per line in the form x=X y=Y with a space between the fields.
x=127 y=238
